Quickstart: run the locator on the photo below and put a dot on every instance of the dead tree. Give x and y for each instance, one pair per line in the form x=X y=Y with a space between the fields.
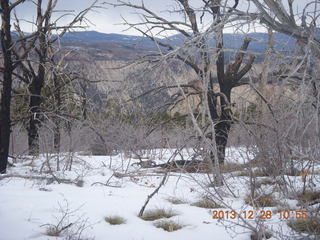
x=299 y=20
x=37 y=68
x=277 y=17
x=302 y=26
x=188 y=24
x=5 y=121
x=8 y=46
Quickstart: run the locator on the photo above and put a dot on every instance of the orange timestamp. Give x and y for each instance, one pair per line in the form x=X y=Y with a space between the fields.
x=293 y=214
x=260 y=214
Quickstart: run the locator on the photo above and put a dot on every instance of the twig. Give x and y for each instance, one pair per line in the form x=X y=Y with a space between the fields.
x=107 y=183
x=152 y=194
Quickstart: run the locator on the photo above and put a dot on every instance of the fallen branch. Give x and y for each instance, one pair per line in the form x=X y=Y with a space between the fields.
x=51 y=179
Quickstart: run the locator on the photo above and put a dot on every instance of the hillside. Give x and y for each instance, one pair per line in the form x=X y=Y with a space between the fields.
x=105 y=58
x=231 y=41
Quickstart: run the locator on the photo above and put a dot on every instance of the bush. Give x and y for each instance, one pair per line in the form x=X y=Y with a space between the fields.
x=175 y=200
x=266 y=235
x=169 y=226
x=309 y=196
x=206 y=203
x=152 y=215
x=265 y=200
x=52 y=231
x=232 y=167
x=309 y=225
x=115 y=220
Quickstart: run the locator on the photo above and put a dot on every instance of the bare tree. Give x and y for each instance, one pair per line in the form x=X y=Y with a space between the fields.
x=198 y=55
x=302 y=25
x=36 y=69
x=280 y=16
x=10 y=61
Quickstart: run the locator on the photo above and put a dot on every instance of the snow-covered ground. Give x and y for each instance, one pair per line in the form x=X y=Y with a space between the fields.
x=103 y=186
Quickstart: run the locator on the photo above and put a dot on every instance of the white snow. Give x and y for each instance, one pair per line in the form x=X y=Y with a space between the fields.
x=28 y=205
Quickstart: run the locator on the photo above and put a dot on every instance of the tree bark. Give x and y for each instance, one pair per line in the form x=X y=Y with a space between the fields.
x=34 y=122
x=5 y=114
x=35 y=97
x=57 y=98
x=223 y=122
x=222 y=128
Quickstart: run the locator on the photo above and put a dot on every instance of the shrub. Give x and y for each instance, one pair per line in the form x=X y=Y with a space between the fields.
x=265 y=200
x=168 y=225
x=309 y=196
x=115 y=220
x=266 y=235
x=309 y=225
x=232 y=167
x=155 y=214
x=52 y=231
x=206 y=203
x=175 y=200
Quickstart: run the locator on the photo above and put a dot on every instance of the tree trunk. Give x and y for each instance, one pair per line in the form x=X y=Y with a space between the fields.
x=58 y=103
x=57 y=137
x=56 y=133
x=84 y=88
x=222 y=128
x=222 y=133
x=223 y=122
x=35 y=97
x=34 y=121
x=5 y=122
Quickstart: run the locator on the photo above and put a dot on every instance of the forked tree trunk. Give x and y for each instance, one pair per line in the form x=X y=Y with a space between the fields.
x=223 y=122
x=5 y=122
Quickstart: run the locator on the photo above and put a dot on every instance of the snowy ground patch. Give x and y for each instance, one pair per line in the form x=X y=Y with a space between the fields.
x=33 y=205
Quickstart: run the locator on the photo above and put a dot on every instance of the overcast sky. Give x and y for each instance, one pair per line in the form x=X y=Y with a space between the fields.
x=108 y=20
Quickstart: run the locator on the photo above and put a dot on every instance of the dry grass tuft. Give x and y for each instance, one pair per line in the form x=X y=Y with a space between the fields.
x=309 y=225
x=175 y=200
x=168 y=225
x=156 y=214
x=266 y=235
x=115 y=220
x=265 y=200
x=206 y=203
x=52 y=231
x=309 y=196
